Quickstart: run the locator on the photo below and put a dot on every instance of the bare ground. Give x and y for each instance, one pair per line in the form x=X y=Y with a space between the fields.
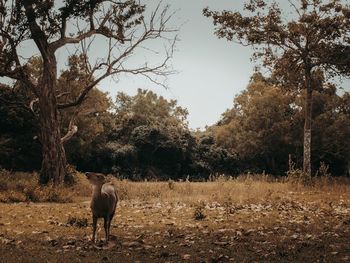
x=303 y=226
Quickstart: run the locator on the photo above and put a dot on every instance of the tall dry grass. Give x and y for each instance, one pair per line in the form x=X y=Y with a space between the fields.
x=24 y=187
x=243 y=189
x=248 y=188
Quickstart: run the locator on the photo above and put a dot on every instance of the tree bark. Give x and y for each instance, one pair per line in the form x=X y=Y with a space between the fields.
x=54 y=163
x=307 y=126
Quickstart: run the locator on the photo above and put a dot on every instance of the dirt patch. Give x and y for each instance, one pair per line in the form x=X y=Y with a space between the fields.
x=308 y=227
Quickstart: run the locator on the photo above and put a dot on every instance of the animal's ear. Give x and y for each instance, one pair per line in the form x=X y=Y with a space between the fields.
x=101 y=176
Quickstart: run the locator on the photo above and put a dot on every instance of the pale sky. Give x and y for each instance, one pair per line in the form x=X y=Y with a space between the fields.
x=210 y=71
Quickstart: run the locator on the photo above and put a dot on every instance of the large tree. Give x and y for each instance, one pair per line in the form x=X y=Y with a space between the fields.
x=120 y=30
x=19 y=130
x=299 y=46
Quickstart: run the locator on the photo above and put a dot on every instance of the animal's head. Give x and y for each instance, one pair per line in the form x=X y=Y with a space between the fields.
x=96 y=178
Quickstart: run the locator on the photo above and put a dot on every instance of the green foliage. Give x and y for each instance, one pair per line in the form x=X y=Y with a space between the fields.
x=146 y=108
x=265 y=126
x=19 y=147
x=150 y=138
x=331 y=140
x=146 y=136
x=211 y=158
x=258 y=126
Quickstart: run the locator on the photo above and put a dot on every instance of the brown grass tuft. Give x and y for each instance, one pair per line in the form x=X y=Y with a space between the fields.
x=24 y=187
x=199 y=211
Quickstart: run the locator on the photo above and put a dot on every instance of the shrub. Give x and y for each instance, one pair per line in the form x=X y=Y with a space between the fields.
x=56 y=194
x=171 y=184
x=199 y=211
x=24 y=187
x=12 y=197
x=297 y=176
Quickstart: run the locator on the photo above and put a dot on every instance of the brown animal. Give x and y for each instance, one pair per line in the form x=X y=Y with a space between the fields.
x=103 y=203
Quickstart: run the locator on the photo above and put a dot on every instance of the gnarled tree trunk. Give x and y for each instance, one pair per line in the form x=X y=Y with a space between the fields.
x=54 y=163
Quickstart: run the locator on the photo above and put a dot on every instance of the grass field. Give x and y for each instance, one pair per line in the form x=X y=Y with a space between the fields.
x=249 y=219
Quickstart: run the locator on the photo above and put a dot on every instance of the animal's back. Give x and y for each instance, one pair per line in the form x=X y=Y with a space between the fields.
x=106 y=203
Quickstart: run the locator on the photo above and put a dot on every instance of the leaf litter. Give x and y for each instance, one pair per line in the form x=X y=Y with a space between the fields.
x=291 y=228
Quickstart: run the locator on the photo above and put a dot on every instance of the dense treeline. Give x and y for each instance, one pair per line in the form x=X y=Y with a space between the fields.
x=265 y=127
x=147 y=136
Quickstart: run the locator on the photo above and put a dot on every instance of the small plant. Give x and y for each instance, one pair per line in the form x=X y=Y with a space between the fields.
x=323 y=175
x=268 y=194
x=78 y=222
x=323 y=170
x=32 y=193
x=297 y=176
x=229 y=207
x=221 y=178
x=199 y=211
x=171 y=184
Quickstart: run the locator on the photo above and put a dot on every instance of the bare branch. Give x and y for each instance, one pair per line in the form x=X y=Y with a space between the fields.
x=31 y=104
x=101 y=30
x=296 y=9
x=72 y=129
x=115 y=65
x=18 y=72
x=83 y=94
x=62 y=94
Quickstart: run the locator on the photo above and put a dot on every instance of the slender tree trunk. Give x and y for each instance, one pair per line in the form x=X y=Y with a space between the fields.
x=54 y=163
x=307 y=126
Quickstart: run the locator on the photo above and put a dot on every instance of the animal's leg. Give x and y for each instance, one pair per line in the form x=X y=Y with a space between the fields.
x=94 y=224
x=106 y=224
x=109 y=224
